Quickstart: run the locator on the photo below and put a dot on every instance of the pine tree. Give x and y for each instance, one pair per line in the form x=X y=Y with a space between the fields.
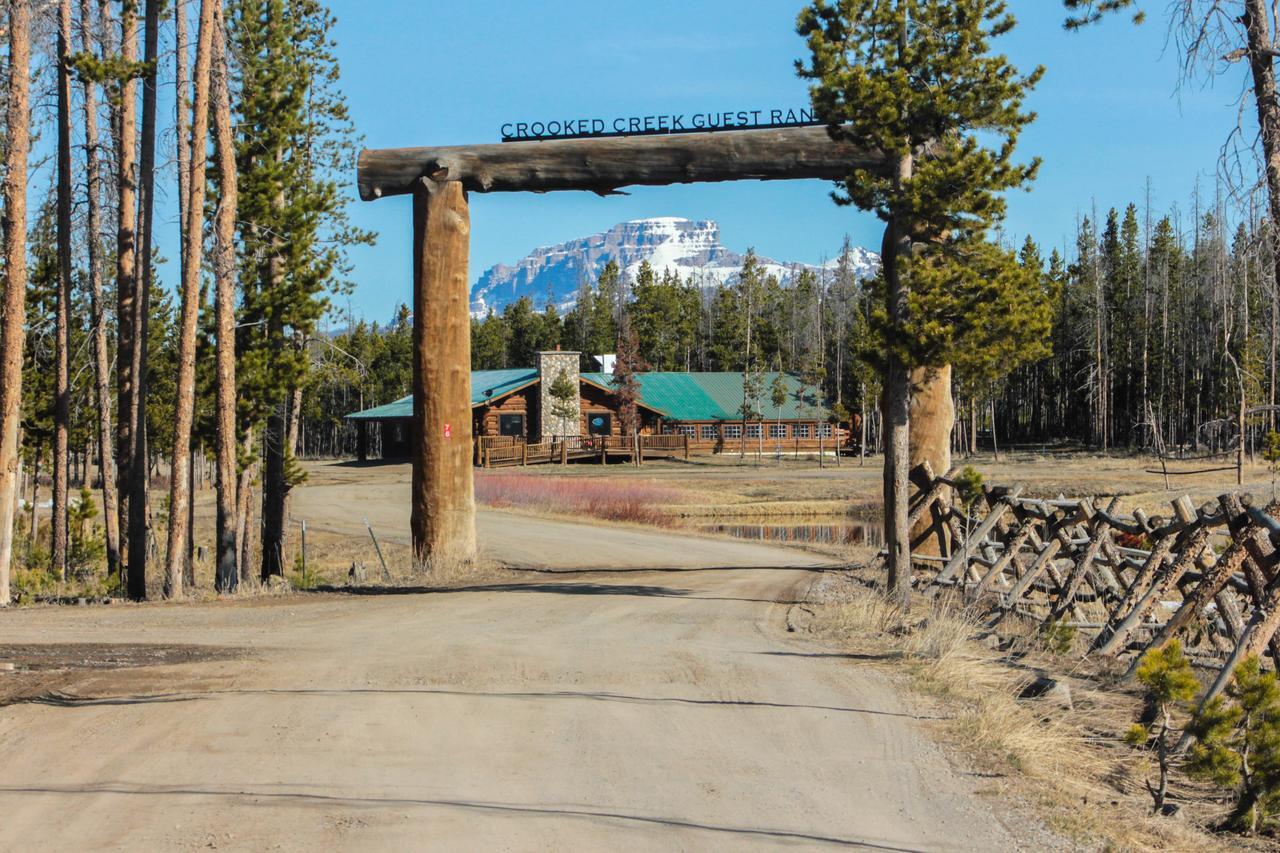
x=1238 y=745
x=294 y=143
x=626 y=387
x=916 y=80
x=1166 y=675
x=490 y=339
x=101 y=353
x=564 y=401
x=39 y=372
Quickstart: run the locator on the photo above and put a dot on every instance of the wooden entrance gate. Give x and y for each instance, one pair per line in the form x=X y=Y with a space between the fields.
x=443 y=499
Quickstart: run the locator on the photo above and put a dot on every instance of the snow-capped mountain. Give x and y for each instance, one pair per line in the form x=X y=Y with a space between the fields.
x=688 y=247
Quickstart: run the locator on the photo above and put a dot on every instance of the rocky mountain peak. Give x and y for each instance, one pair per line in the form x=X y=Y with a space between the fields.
x=689 y=247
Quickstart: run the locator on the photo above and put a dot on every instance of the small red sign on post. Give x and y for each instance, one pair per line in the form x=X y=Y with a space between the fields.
x=448 y=431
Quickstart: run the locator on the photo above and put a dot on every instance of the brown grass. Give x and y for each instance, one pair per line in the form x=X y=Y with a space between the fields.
x=609 y=500
x=1068 y=764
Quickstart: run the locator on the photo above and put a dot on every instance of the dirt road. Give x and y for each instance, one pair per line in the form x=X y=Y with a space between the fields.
x=340 y=499
x=628 y=711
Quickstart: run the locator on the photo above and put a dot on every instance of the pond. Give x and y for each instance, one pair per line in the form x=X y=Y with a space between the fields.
x=834 y=530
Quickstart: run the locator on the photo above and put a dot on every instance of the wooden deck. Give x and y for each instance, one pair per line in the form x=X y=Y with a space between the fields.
x=505 y=451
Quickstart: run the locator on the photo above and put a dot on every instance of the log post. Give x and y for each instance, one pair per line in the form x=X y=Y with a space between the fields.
x=443 y=502
x=1195 y=539
x=1009 y=557
x=1100 y=533
x=1000 y=505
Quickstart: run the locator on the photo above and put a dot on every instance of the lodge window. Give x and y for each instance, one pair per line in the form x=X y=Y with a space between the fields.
x=825 y=430
x=733 y=430
x=802 y=430
x=777 y=430
x=683 y=429
x=599 y=423
x=753 y=430
x=708 y=432
x=512 y=425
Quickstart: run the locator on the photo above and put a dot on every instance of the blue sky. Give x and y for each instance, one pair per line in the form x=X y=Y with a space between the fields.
x=422 y=72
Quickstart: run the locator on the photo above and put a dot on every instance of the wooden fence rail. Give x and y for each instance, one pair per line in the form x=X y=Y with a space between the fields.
x=1208 y=575
x=500 y=451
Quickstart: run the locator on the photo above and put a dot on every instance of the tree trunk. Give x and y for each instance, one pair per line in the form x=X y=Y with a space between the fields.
x=862 y=425
x=139 y=472
x=33 y=525
x=227 y=572
x=12 y=333
x=244 y=510
x=897 y=408
x=995 y=446
x=182 y=94
x=182 y=101
x=274 y=488
x=932 y=416
x=101 y=354
x=185 y=393
x=1267 y=100
x=62 y=321
x=125 y=130
x=293 y=421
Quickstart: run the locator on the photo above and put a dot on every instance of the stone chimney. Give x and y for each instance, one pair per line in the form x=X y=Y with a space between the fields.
x=551 y=365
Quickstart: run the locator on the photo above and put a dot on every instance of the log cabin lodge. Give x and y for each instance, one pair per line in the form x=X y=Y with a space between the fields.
x=514 y=418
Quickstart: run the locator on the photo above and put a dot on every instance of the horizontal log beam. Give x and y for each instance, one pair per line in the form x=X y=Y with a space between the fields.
x=602 y=165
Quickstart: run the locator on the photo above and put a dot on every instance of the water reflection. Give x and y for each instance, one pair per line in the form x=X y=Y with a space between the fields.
x=833 y=531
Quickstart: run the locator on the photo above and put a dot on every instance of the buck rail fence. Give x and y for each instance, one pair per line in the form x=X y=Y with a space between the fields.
x=1207 y=575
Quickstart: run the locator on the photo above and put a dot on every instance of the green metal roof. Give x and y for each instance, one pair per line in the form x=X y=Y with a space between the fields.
x=718 y=396
x=402 y=408
x=491 y=384
x=497 y=384
x=678 y=396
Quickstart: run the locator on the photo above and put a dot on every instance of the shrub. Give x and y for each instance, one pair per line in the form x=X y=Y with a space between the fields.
x=969 y=485
x=87 y=549
x=1170 y=684
x=28 y=584
x=1238 y=745
x=1056 y=637
x=1271 y=453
